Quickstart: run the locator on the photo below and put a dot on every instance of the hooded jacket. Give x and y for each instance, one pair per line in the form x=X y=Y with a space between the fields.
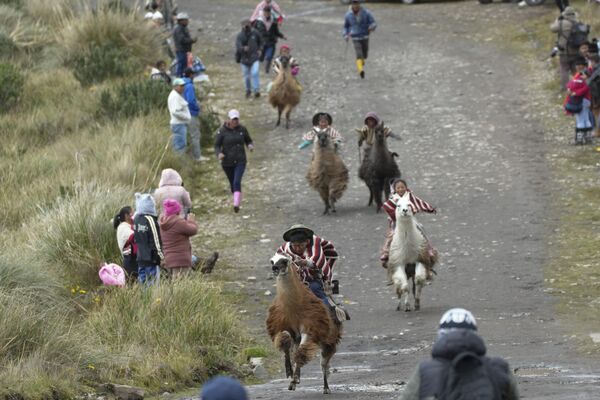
x=357 y=25
x=175 y=235
x=231 y=142
x=562 y=26
x=269 y=30
x=251 y=38
x=146 y=232
x=366 y=134
x=171 y=187
x=430 y=377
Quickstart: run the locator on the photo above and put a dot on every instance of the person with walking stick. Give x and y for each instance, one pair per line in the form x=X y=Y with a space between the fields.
x=358 y=24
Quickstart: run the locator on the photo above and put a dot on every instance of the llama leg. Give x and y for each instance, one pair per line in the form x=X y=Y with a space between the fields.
x=326 y=354
x=400 y=283
x=370 y=197
x=377 y=193
x=287 y=117
x=279 y=110
x=419 y=281
x=283 y=342
x=325 y=197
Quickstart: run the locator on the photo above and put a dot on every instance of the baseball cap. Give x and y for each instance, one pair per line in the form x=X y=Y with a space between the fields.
x=178 y=82
x=182 y=15
x=233 y=114
x=223 y=388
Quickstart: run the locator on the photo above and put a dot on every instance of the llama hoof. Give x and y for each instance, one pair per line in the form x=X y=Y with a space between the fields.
x=417 y=305
x=292 y=386
x=326 y=391
x=407 y=309
x=398 y=308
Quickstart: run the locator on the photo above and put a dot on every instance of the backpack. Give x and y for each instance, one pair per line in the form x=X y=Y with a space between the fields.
x=578 y=35
x=469 y=378
x=594 y=84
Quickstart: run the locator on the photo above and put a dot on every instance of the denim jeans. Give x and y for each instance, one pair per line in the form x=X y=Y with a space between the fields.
x=251 y=76
x=194 y=131
x=317 y=288
x=181 y=62
x=179 y=137
x=269 y=52
x=149 y=275
x=235 y=174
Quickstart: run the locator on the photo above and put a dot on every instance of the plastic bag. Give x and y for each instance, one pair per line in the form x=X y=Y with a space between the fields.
x=112 y=275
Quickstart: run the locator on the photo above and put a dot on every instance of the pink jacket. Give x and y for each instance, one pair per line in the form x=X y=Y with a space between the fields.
x=175 y=233
x=170 y=187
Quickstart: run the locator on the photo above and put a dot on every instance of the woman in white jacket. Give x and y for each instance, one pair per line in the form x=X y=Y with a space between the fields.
x=123 y=223
x=180 y=115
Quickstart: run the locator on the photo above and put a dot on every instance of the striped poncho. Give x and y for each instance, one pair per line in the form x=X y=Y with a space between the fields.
x=320 y=252
x=417 y=205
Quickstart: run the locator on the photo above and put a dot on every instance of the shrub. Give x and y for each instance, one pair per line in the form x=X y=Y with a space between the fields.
x=209 y=123
x=75 y=236
x=11 y=86
x=7 y=47
x=134 y=98
x=107 y=43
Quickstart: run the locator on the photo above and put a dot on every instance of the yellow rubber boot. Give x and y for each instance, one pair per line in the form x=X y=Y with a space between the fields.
x=360 y=65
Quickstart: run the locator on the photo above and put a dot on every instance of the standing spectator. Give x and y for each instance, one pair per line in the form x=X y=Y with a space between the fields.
x=594 y=84
x=159 y=72
x=563 y=26
x=147 y=238
x=176 y=233
x=171 y=187
x=248 y=46
x=180 y=115
x=275 y=10
x=459 y=364
x=578 y=102
x=223 y=388
x=358 y=25
x=269 y=30
x=230 y=144
x=183 y=42
x=166 y=7
x=123 y=223
x=189 y=94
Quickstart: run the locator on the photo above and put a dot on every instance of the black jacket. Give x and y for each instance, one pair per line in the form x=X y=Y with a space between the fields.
x=269 y=36
x=147 y=238
x=231 y=142
x=182 y=39
x=253 y=40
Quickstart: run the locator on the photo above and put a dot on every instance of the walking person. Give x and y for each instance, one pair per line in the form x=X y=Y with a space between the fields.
x=358 y=25
x=459 y=364
x=567 y=49
x=189 y=94
x=230 y=143
x=147 y=238
x=176 y=232
x=180 y=116
x=183 y=42
x=170 y=186
x=269 y=30
x=123 y=224
x=275 y=10
x=248 y=48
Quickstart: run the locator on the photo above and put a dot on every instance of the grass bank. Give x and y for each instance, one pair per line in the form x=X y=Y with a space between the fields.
x=81 y=134
x=573 y=272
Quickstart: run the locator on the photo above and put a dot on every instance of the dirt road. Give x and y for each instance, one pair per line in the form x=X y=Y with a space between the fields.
x=468 y=146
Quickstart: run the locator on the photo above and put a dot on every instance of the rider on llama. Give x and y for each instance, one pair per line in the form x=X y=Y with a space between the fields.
x=313 y=258
x=321 y=123
x=366 y=134
x=399 y=188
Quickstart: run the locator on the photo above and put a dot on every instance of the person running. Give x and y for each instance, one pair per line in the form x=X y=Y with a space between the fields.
x=358 y=25
x=366 y=134
x=400 y=188
x=321 y=123
x=123 y=224
x=459 y=363
x=314 y=259
x=230 y=143
x=248 y=50
x=147 y=238
x=275 y=10
x=269 y=29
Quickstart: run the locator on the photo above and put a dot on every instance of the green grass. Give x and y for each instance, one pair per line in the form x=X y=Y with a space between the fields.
x=66 y=173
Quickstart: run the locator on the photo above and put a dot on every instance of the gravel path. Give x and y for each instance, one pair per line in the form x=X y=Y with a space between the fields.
x=458 y=103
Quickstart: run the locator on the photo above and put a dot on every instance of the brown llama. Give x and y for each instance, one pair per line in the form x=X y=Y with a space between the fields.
x=299 y=323
x=285 y=93
x=327 y=173
x=378 y=168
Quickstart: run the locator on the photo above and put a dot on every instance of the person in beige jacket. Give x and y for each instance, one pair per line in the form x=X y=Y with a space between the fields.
x=562 y=26
x=171 y=187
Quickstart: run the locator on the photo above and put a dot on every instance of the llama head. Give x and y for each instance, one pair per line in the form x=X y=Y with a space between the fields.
x=404 y=208
x=285 y=61
x=280 y=265
x=322 y=139
x=380 y=133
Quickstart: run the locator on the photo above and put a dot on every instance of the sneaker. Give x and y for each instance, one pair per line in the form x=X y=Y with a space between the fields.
x=248 y=94
x=256 y=95
x=236 y=209
x=362 y=74
x=202 y=158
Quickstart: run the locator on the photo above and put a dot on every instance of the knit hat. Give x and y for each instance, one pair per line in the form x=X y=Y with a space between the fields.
x=223 y=388
x=171 y=207
x=372 y=115
x=285 y=47
x=144 y=204
x=457 y=318
x=569 y=12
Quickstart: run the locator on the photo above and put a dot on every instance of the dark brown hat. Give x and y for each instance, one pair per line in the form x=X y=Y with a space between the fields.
x=319 y=115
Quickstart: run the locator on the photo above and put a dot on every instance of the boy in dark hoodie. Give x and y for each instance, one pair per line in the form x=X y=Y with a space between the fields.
x=147 y=238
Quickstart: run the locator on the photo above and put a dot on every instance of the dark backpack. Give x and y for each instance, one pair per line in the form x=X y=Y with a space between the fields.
x=469 y=378
x=578 y=35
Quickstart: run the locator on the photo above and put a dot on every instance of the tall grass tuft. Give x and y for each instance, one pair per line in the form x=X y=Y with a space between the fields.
x=75 y=235
x=11 y=86
x=135 y=98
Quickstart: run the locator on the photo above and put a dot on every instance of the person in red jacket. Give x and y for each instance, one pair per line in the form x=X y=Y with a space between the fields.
x=578 y=92
x=176 y=233
x=399 y=187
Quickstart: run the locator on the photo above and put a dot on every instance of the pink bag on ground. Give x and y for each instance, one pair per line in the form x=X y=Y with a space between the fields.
x=112 y=275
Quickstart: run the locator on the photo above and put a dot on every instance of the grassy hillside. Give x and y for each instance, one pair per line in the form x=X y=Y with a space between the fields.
x=82 y=130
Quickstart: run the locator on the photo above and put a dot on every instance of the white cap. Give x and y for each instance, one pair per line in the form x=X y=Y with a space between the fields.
x=233 y=114
x=182 y=15
x=148 y=15
x=157 y=15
